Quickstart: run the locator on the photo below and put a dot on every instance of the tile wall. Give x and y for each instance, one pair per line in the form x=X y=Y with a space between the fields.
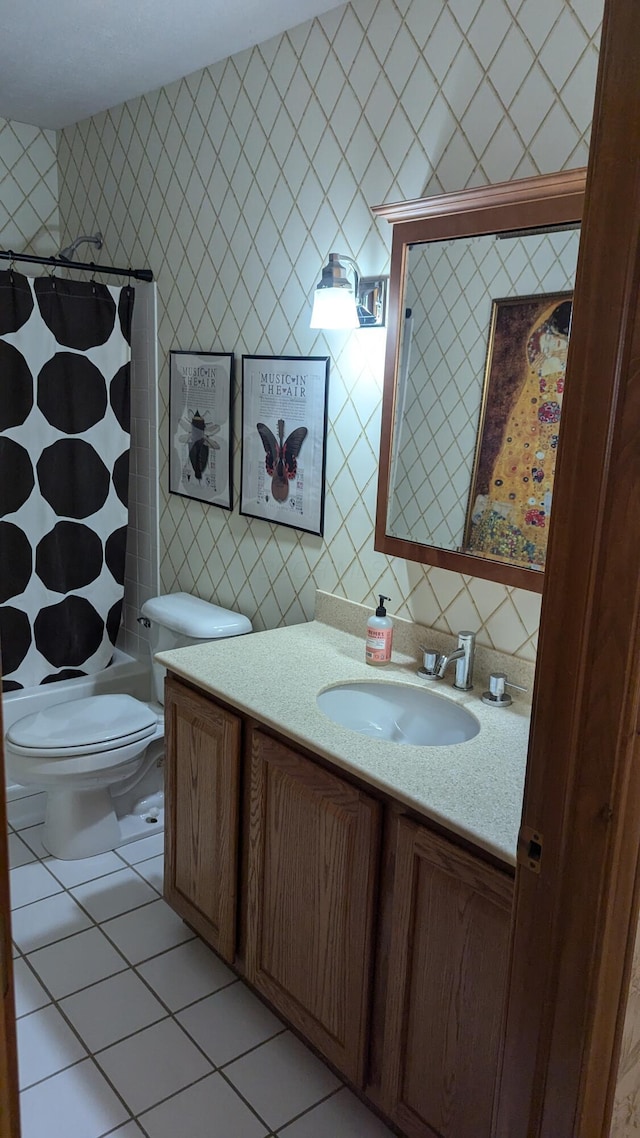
x=234 y=184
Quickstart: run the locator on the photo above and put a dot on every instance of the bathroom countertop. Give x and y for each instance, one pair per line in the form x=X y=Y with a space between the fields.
x=473 y=789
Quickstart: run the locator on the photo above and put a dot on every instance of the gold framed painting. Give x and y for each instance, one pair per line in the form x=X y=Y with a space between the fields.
x=514 y=468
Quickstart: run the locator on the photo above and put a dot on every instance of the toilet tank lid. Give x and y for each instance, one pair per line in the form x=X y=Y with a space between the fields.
x=191 y=616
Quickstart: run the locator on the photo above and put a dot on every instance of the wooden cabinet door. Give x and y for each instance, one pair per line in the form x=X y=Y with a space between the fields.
x=202 y=813
x=448 y=959
x=313 y=852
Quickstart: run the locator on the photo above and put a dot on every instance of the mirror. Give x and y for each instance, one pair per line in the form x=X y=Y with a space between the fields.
x=480 y=306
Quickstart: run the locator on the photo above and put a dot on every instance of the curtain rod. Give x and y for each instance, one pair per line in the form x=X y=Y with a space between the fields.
x=61 y=262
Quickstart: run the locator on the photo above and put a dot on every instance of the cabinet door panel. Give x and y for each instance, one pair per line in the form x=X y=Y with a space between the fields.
x=203 y=804
x=449 y=953
x=312 y=864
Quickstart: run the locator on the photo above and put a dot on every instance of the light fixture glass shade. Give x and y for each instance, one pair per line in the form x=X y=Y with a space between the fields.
x=334 y=308
x=334 y=301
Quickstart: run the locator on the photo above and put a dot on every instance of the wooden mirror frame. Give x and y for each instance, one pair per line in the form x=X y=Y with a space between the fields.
x=529 y=203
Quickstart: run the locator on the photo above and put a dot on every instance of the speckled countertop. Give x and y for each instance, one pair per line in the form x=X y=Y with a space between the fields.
x=473 y=788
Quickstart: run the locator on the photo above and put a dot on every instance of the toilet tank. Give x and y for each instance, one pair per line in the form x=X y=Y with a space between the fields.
x=176 y=620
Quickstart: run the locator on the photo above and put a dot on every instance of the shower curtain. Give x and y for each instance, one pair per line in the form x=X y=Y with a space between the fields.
x=64 y=464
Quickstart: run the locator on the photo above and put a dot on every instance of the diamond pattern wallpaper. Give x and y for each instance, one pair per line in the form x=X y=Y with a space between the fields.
x=235 y=183
x=28 y=189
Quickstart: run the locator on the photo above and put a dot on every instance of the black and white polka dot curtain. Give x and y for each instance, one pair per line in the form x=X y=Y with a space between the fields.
x=64 y=466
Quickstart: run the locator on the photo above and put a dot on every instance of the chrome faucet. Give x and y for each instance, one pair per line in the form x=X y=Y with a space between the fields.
x=435 y=664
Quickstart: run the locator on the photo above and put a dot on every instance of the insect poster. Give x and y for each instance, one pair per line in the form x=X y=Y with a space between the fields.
x=284 y=439
x=200 y=416
x=515 y=463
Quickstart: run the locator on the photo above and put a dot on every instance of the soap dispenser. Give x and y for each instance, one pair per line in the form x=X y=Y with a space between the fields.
x=379 y=636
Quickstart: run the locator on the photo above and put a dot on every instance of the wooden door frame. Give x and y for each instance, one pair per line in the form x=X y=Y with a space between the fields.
x=575 y=923
x=9 y=1105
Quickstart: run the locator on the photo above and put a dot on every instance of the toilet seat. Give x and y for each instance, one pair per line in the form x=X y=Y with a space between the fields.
x=95 y=725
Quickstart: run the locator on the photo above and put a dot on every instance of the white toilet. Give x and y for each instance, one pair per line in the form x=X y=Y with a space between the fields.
x=87 y=754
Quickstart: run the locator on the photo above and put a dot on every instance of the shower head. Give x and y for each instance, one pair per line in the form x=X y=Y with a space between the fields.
x=66 y=254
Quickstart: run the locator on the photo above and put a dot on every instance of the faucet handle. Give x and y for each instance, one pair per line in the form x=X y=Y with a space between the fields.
x=430 y=661
x=497 y=696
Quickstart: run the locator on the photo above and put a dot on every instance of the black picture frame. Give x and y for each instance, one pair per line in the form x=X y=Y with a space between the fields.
x=201 y=426
x=284 y=440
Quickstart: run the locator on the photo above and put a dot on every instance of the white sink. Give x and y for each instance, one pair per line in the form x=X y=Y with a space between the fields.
x=398 y=713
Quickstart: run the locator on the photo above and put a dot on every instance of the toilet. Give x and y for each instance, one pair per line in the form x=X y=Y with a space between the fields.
x=91 y=755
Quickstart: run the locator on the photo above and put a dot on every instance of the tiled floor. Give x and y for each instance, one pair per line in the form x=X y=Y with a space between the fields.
x=129 y=1026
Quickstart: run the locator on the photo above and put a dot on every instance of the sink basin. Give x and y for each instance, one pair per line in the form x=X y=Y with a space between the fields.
x=398 y=713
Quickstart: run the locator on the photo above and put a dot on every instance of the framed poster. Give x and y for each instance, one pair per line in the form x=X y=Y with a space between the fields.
x=284 y=439
x=512 y=485
x=200 y=417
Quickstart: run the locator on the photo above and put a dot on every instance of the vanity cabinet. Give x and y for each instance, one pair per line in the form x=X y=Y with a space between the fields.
x=383 y=943
x=312 y=871
x=202 y=782
x=448 y=955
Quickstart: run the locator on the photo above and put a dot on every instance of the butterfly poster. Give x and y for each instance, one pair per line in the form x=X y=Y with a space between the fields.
x=284 y=439
x=200 y=414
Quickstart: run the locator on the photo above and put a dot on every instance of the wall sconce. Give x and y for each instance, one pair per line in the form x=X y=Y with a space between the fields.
x=339 y=303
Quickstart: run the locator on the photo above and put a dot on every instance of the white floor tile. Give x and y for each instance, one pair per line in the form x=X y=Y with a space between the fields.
x=78 y=1103
x=147 y=931
x=46 y=921
x=29 y=993
x=30 y=883
x=186 y=973
x=111 y=1010
x=117 y=893
x=342 y=1114
x=150 y=1066
x=281 y=1079
x=32 y=835
x=229 y=1023
x=153 y=871
x=46 y=1045
x=213 y=1109
x=72 y=873
x=142 y=849
x=19 y=853
x=74 y=963
x=152 y=1062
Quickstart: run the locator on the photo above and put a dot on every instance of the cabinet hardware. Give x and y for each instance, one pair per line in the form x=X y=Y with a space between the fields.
x=530 y=845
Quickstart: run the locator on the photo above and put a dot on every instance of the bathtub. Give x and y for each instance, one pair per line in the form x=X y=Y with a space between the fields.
x=125 y=674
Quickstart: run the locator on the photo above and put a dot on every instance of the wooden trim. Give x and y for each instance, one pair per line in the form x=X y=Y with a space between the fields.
x=483 y=567
x=529 y=203
x=575 y=923
x=552 y=187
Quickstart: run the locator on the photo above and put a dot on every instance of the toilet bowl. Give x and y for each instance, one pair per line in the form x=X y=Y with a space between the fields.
x=91 y=755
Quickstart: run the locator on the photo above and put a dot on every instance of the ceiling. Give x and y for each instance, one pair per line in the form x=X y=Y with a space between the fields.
x=62 y=61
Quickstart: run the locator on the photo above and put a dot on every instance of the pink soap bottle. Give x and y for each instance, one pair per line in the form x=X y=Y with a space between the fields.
x=379 y=636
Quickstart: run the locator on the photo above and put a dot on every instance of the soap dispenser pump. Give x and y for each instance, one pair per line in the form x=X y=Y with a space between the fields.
x=379 y=635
